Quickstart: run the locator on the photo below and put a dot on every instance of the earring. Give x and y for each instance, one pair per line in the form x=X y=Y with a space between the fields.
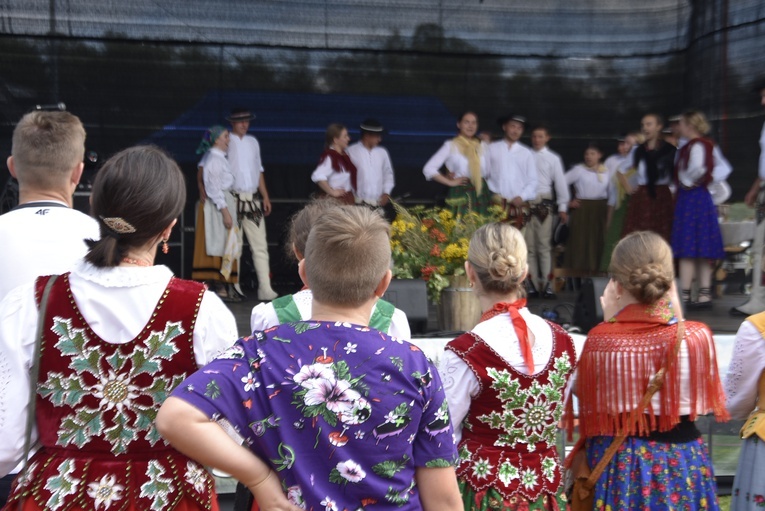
x=470 y=283
x=165 y=248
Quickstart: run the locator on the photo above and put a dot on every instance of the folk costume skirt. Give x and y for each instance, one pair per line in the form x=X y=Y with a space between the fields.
x=587 y=226
x=614 y=233
x=696 y=230
x=749 y=483
x=647 y=474
x=207 y=267
x=470 y=199
x=650 y=214
x=490 y=499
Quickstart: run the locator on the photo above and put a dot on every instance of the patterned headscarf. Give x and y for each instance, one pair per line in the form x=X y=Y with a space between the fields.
x=209 y=138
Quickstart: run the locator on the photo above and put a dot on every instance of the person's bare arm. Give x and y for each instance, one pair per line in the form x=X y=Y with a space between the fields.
x=192 y=433
x=438 y=489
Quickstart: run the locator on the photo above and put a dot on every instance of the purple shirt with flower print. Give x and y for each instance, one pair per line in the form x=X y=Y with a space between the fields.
x=343 y=413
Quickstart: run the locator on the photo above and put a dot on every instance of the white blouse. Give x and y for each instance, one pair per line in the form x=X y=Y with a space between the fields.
x=264 y=316
x=116 y=303
x=454 y=161
x=588 y=184
x=746 y=365
x=217 y=177
x=336 y=180
x=461 y=385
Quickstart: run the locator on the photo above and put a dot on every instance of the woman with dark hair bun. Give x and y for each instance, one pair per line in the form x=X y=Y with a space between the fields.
x=588 y=211
x=119 y=333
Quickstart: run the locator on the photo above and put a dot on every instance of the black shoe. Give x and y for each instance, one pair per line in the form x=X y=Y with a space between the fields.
x=532 y=294
x=549 y=295
x=699 y=306
x=737 y=313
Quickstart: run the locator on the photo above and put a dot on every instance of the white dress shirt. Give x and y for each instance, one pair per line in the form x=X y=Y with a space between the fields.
x=41 y=241
x=550 y=174
x=511 y=170
x=217 y=176
x=245 y=162
x=337 y=180
x=454 y=161
x=374 y=175
x=588 y=184
x=117 y=303
x=264 y=316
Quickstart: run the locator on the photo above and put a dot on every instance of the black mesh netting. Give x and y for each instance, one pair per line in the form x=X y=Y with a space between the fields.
x=163 y=70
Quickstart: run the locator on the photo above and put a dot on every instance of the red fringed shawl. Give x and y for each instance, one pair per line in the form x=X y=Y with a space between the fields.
x=620 y=357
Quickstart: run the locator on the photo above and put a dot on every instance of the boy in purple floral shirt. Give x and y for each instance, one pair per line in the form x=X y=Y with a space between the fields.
x=345 y=415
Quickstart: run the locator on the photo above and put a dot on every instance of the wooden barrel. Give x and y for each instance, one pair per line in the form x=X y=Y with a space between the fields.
x=459 y=309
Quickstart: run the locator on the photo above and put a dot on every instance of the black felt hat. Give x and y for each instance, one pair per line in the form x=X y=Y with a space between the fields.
x=511 y=117
x=371 y=126
x=240 y=114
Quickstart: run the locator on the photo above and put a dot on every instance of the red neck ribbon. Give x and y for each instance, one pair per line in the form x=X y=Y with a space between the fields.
x=518 y=324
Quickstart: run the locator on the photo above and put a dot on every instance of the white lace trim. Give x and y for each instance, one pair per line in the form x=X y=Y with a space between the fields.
x=120 y=276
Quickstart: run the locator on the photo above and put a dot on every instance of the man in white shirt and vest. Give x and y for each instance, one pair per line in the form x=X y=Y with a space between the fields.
x=43 y=235
x=511 y=171
x=253 y=202
x=374 y=178
x=551 y=191
x=754 y=197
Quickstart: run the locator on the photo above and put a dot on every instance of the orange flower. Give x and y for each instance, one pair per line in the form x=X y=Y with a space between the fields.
x=428 y=222
x=438 y=235
x=435 y=251
x=427 y=271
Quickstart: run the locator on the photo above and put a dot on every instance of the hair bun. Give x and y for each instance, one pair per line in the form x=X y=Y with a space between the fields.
x=503 y=266
x=649 y=282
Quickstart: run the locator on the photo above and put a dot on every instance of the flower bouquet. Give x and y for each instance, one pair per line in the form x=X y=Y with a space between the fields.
x=432 y=243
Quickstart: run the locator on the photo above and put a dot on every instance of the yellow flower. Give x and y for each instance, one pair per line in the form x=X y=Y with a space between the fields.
x=703 y=503
x=410 y=225
x=398 y=227
x=454 y=252
x=445 y=215
x=423 y=228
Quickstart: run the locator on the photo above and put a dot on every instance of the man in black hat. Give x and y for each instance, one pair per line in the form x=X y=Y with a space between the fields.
x=374 y=181
x=511 y=170
x=756 y=302
x=253 y=202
